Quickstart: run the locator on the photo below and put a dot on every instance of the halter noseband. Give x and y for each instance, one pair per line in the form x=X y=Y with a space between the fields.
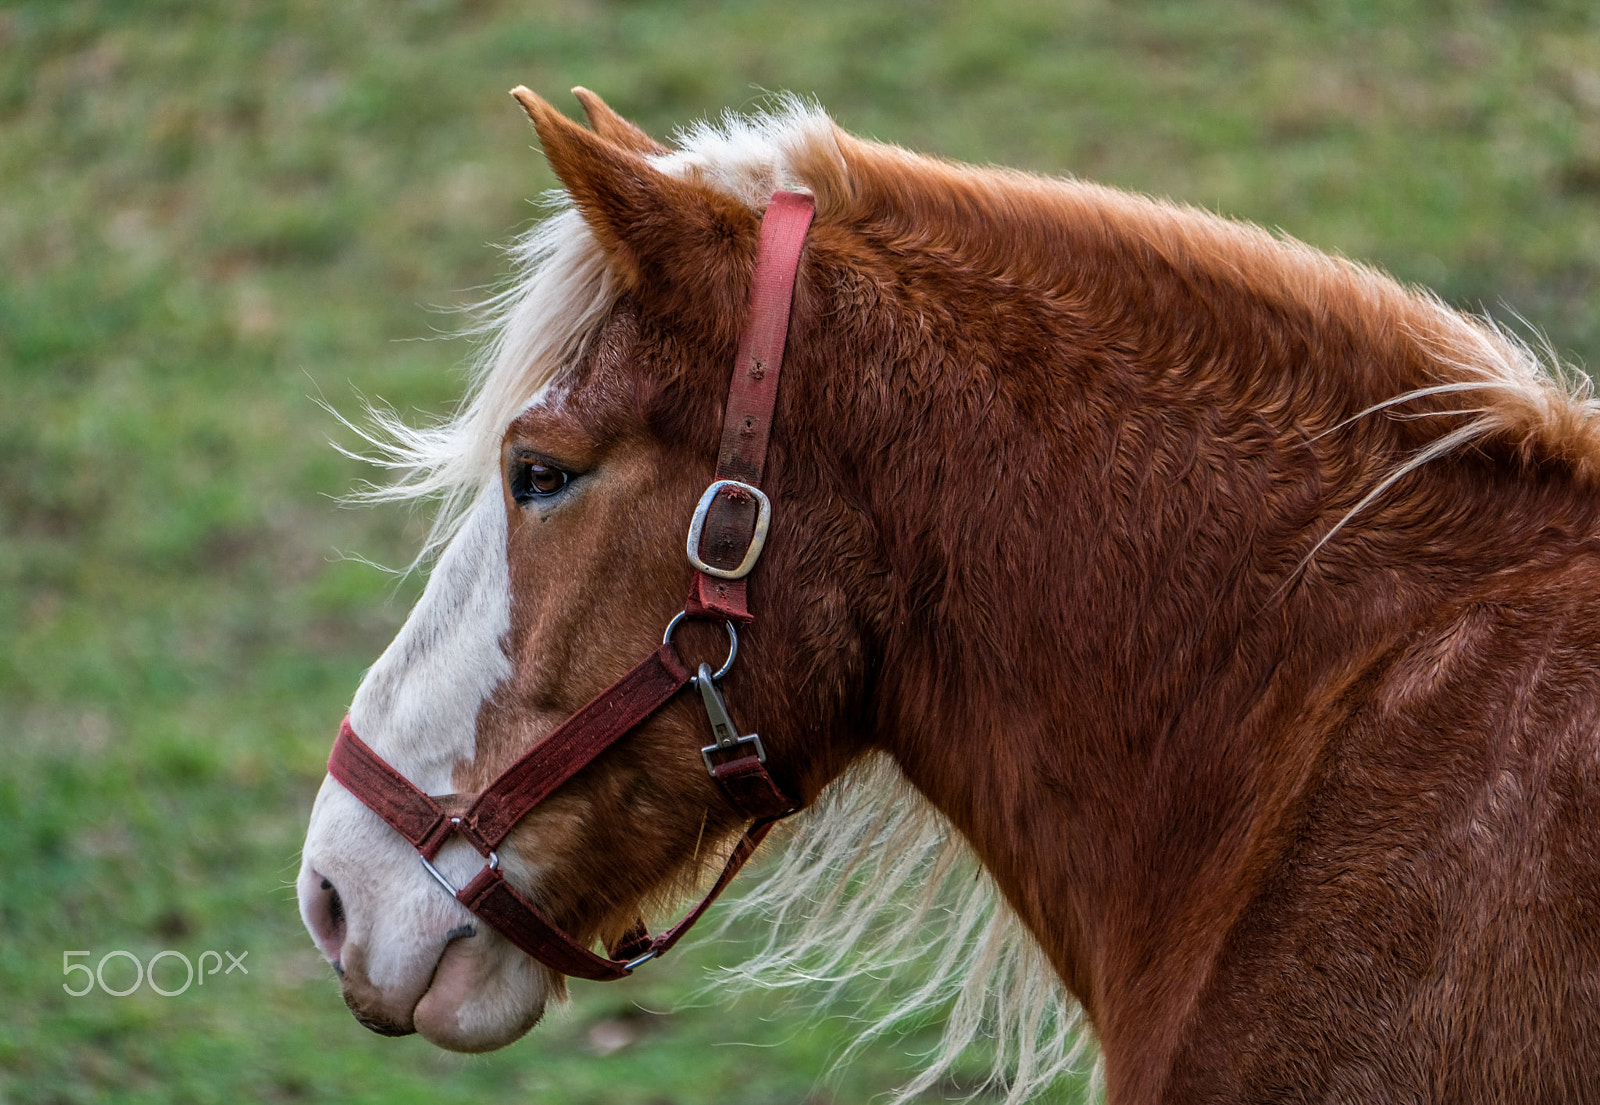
x=722 y=531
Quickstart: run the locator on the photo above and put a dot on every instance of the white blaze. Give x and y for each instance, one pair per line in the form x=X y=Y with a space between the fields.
x=418 y=708
x=418 y=705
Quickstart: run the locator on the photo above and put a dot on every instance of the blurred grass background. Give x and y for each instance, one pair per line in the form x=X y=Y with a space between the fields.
x=212 y=212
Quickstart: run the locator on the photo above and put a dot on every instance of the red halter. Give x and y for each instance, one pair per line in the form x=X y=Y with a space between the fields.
x=729 y=528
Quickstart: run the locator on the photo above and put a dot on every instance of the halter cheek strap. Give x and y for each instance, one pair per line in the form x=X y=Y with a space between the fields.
x=725 y=541
x=729 y=541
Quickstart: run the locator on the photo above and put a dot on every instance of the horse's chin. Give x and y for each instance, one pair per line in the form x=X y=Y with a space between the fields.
x=483 y=996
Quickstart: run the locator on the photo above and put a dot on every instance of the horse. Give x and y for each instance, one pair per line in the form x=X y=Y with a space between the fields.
x=1228 y=606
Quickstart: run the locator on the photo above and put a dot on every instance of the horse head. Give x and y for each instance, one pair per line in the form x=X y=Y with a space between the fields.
x=565 y=570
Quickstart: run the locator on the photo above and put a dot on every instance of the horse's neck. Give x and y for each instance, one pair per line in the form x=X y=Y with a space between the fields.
x=1118 y=682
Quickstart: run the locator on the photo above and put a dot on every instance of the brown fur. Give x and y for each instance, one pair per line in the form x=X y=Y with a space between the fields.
x=613 y=127
x=1047 y=465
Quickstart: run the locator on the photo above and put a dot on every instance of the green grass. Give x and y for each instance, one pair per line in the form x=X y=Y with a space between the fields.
x=214 y=213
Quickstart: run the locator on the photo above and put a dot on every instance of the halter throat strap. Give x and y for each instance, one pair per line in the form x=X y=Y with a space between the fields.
x=726 y=538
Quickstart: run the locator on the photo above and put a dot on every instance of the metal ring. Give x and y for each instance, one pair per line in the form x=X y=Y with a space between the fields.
x=733 y=641
x=439 y=876
x=494 y=857
x=493 y=865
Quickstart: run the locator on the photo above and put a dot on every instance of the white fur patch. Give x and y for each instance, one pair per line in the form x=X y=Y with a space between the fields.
x=418 y=709
x=418 y=706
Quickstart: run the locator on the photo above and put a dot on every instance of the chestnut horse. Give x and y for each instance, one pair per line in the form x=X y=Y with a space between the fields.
x=1234 y=607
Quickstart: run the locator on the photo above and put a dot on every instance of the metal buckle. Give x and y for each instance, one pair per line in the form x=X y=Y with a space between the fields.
x=752 y=552
x=722 y=727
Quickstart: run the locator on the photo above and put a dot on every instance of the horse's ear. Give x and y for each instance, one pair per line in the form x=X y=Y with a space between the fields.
x=667 y=238
x=614 y=128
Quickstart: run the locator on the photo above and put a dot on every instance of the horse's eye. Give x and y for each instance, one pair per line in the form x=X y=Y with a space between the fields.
x=532 y=479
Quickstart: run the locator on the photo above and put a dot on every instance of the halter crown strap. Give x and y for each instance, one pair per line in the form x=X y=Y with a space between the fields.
x=732 y=521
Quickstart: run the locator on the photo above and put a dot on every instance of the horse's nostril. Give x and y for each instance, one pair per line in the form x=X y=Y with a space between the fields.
x=324 y=913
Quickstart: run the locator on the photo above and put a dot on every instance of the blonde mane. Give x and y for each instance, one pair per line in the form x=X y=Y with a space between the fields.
x=561 y=289
x=873 y=879
x=874 y=886
x=533 y=328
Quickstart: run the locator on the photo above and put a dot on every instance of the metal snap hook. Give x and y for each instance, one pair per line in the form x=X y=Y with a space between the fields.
x=725 y=734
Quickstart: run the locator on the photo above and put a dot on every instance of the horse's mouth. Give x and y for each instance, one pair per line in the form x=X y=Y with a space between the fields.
x=468 y=982
x=383 y=1026
x=393 y=1021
